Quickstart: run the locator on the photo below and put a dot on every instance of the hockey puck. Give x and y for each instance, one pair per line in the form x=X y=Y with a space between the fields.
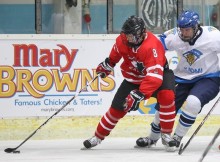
x=16 y=152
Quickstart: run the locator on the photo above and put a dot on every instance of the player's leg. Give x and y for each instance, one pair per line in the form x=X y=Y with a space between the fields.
x=155 y=134
x=112 y=116
x=202 y=92
x=182 y=91
x=167 y=113
x=166 y=117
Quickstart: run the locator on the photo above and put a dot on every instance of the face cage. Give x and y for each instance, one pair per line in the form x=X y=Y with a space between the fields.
x=195 y=29
x=136 y=40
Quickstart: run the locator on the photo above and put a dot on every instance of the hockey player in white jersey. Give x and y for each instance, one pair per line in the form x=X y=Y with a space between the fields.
x=197 y=74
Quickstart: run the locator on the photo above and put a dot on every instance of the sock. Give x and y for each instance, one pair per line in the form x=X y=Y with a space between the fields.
x=188 y=115
x=155 y=132
x=167 y=110
x=186 y=120
x=155 y=127
x=108 y=122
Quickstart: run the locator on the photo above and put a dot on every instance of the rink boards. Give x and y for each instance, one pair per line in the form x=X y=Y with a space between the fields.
x=83 y=127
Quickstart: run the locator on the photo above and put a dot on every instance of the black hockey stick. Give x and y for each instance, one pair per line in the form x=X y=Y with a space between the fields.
x=182 y=148
x=209 y=146
x=13 y=150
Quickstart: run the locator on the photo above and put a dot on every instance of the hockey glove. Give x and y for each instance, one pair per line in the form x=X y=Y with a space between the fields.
x=104 y=68
x=133 y=100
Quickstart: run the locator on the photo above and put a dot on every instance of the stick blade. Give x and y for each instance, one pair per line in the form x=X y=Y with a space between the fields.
x=181 y=149
x=9 y=150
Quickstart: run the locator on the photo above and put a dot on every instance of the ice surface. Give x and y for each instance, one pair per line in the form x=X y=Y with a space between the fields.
x=110 y=150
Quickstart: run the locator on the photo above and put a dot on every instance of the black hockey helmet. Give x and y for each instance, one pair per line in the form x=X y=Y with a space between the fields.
x=133 y=31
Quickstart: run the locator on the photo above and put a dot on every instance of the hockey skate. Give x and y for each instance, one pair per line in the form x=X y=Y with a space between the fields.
x=145 y=142
x=91 y=142
x=169 y=143
x=177 y=139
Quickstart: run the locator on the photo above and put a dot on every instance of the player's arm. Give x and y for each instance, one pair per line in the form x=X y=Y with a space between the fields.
x=151 y=82
x=106 y=67
x=214 y=35
x=167 y=39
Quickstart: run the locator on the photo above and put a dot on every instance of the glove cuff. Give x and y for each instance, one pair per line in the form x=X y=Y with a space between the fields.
x=138 y=94
x=108 y=64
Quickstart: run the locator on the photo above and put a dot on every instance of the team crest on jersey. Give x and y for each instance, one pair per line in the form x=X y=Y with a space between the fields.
x=140 y=67
x=192 y=56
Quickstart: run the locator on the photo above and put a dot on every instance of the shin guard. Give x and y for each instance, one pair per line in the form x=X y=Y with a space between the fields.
x=167 y=110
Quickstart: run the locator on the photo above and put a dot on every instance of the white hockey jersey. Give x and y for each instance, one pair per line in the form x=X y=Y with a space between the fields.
x=195 y=61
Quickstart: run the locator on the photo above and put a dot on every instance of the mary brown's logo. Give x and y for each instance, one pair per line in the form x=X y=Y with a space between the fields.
x=192 y=56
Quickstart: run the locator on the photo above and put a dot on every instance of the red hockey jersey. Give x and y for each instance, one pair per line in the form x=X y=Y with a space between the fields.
x=144 y=65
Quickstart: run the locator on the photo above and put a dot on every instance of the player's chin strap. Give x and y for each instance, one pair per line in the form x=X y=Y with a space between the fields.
x=13 y=150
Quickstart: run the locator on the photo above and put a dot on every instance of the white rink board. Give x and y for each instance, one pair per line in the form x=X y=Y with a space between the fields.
x=40 y=73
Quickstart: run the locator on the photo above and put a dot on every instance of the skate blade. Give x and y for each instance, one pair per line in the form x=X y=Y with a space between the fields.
x=170 y=149
x=84 y=148
x=138 y=147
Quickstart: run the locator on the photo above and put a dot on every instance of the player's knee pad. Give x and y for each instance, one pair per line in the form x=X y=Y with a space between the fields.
x=165 y=97
x=193 y=105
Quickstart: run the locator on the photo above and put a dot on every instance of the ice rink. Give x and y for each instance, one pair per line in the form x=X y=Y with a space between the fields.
x=110 y=150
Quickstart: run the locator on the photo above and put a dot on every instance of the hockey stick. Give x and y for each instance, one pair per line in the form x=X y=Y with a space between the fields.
x=13 y=150
x=198 y=128
x=209 y=146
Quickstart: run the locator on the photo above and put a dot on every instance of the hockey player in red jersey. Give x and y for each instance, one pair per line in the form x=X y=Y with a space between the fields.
x=146 y=74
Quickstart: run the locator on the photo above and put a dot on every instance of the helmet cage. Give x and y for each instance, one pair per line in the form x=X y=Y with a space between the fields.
x=133 y=31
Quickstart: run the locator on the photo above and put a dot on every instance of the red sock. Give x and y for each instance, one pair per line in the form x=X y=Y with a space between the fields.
x=108 y=122
x=167 y=110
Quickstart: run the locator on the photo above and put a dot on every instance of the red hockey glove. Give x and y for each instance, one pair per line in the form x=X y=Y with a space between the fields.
x=104 y=68
x=133 y=100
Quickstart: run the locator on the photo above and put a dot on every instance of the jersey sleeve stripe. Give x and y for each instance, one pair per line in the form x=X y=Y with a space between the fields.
x=157 y=66
x=155 y=75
